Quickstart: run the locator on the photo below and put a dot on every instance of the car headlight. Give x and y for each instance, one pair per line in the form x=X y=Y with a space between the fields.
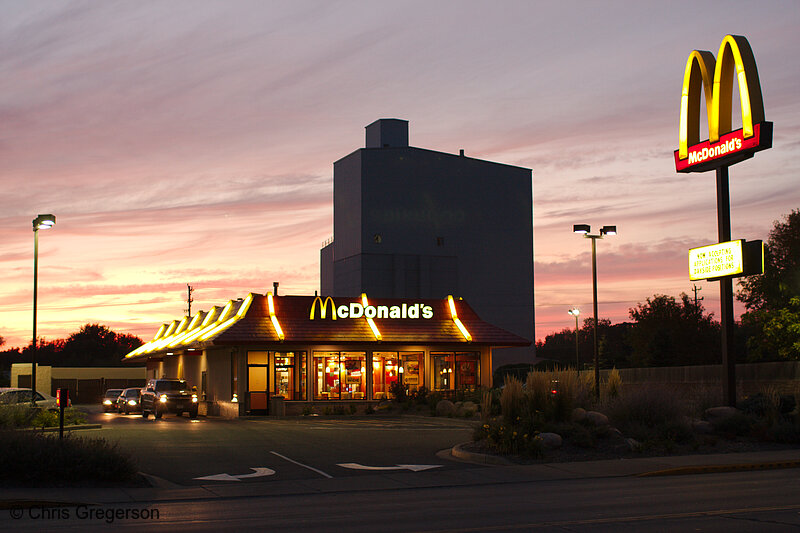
x=131 y=402
x=163 y=398
x=194 y=398
x=106 y=402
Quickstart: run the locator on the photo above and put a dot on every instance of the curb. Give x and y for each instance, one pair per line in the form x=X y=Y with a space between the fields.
x=712 y=469
x=70 y=428
x=479 y=458
x=52 y=429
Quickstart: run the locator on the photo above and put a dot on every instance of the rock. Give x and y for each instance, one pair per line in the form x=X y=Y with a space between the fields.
x=468 y=405
x=702 y=427
x=445 y=408
x=715 y=415
x=596 y=418
x=614 y=433
x=578 y=414
x=551 y=440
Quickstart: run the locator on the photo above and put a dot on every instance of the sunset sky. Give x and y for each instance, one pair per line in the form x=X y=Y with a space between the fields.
x=193 y=142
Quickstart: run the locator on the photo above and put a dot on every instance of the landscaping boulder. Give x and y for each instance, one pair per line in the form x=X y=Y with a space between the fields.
x=445 y=408
x=551 y=440
x=578 y=414
x=715 y=415
x=702 y=427
x=596 y=418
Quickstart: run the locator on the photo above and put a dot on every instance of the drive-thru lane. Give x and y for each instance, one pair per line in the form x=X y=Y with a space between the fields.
x=211 y=450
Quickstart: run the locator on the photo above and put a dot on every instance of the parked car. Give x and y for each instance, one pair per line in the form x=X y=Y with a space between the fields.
x=110 y=400
x=17 y=396
x=130 y=401
x=168 y=396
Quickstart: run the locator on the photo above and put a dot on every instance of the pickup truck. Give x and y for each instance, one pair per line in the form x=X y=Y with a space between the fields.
x=168 y=396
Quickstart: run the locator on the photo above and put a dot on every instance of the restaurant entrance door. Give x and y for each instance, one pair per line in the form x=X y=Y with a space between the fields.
x=257 y=383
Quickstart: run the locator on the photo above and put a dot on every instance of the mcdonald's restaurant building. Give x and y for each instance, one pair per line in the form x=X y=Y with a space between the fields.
x=267 y=354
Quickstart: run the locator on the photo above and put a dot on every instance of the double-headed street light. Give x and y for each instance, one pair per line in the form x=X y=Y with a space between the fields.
x=40 y=222
x=576 y=312
x=585 y=230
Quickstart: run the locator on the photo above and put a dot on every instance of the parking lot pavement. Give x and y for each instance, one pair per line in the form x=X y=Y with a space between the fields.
x=183 y=452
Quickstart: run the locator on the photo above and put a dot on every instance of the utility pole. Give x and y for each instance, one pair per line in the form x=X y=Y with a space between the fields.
x=695 y=288
x=189 y=299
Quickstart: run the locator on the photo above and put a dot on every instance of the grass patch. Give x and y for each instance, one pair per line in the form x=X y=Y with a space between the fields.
x=31 y=458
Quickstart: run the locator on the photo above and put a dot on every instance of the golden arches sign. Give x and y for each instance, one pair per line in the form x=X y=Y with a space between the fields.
x=724 y=146
x=323 y=304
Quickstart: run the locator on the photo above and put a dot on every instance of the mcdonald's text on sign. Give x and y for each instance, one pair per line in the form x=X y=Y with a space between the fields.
x=731 y=148
x=359 y=310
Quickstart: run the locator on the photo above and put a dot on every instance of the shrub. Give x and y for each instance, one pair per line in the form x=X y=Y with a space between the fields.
x=613 y=383
x=45 y=418
x=511 y=400
x=399 y=391
x=16 y=416
x=33 y=458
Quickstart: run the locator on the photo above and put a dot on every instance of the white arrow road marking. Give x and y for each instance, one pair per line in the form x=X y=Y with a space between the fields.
x=413 y=468
x=258 y=472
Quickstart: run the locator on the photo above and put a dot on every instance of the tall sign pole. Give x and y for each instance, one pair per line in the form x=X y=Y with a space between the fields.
x=726 y=291
x=714 y=79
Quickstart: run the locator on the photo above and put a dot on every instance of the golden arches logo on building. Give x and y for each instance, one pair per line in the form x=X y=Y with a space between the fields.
x=323 y=305
x=714 y=80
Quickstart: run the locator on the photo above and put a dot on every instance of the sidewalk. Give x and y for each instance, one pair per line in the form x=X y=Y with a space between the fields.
x=687 y=464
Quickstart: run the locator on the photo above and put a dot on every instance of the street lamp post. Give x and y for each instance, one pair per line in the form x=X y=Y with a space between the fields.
x=585 y=230
x=575 y=312
x=40 y=222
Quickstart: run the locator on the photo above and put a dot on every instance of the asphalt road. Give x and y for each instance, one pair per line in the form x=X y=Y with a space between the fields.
x=730 y=503
x=180 y=450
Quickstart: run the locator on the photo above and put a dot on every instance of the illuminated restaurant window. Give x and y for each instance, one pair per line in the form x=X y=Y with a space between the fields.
x=461 y=370
x=411 y=365
x=468 y=367
x=290 y=375
x=284 y=375
x=340 y=375
x=385 y=371
x=326 y=365
x=442 y=364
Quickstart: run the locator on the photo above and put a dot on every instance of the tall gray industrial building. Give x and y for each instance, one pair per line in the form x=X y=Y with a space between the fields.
x=416 y=223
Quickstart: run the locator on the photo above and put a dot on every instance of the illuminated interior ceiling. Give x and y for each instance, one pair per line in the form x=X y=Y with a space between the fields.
x=202 y=327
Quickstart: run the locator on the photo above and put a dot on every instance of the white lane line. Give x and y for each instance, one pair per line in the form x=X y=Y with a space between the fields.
x=320 y=472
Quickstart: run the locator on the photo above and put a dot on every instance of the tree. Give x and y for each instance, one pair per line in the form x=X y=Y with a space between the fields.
x=670 y=332
x=780 y=281
x=613 y=348
x=96 y=345
x=771 y=298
